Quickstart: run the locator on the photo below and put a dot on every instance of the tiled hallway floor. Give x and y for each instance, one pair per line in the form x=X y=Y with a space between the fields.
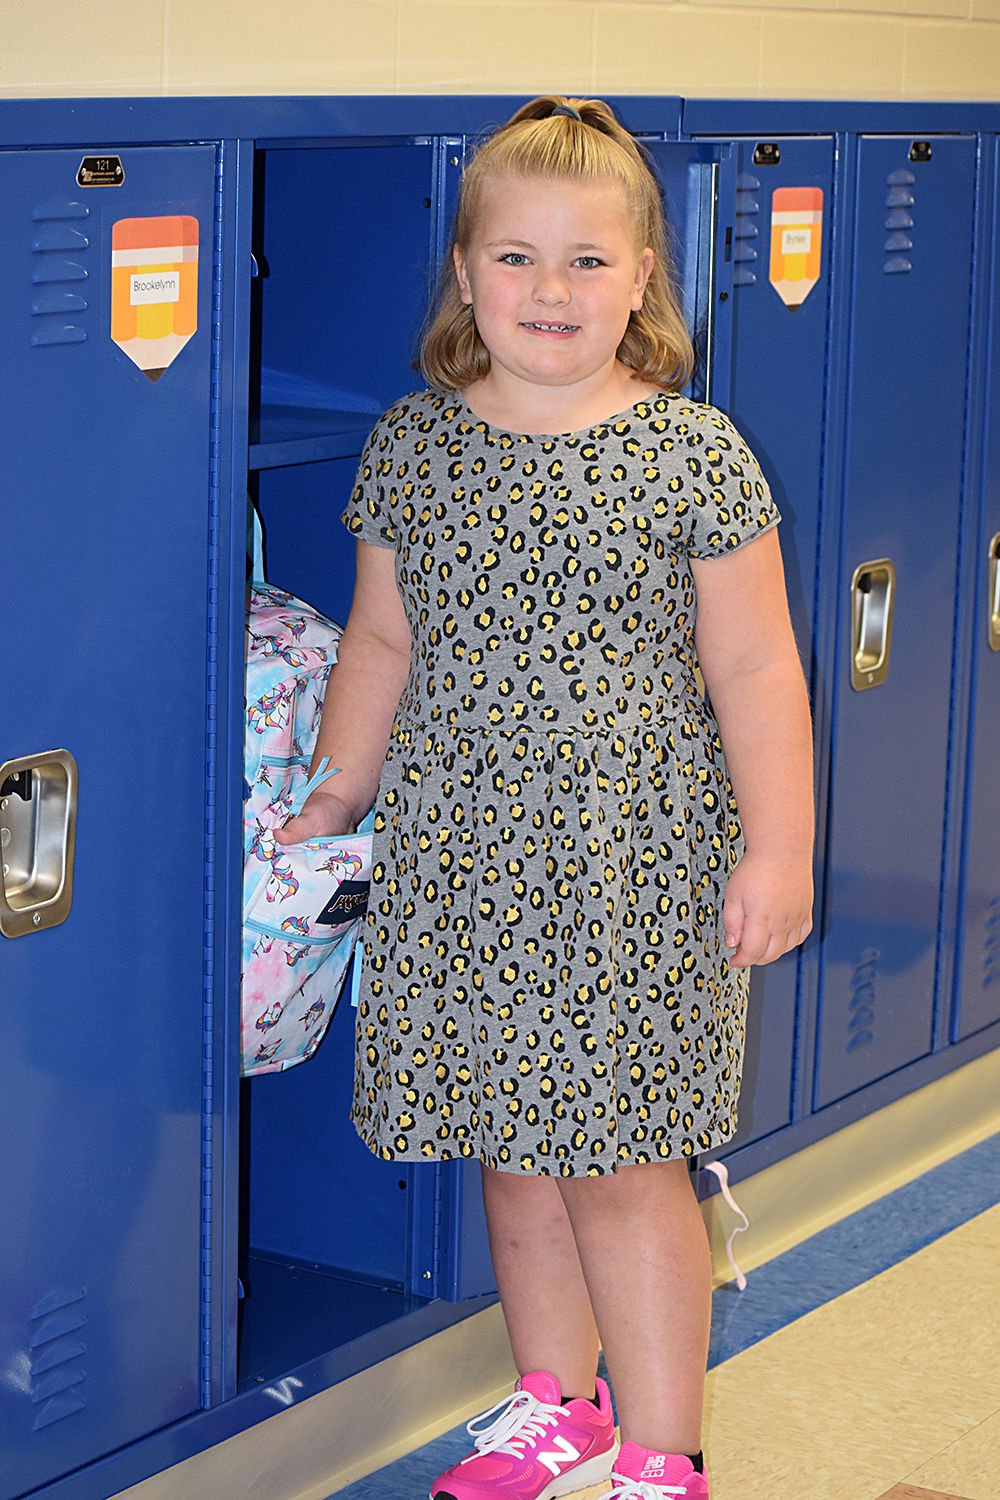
x=862 y=1365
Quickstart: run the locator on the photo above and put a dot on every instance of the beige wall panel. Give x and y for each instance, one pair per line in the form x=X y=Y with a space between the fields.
x=262 y=47
x=951 y=61
x=676 y=50
x=876 y=7
x=53 y=47
x=811 y=57
x=987 y=10
x=530 y=48
x=762 y=6
x=958 y=9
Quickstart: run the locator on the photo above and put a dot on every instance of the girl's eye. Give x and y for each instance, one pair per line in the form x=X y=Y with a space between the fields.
x=588 y=262
x=514 y=258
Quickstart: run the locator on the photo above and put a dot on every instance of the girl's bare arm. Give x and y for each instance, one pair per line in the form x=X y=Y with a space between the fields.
x=748 y=658
x=362 y=696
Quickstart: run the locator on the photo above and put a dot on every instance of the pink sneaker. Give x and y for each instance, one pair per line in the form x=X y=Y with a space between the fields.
x=535 y=1448
x=643 y=1474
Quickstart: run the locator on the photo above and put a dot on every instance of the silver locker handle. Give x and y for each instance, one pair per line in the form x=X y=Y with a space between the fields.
x=38 y=800
x=993 y=592
x=873 y=596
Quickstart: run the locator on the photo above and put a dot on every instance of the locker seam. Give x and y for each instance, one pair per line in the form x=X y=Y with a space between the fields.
x=964 y=651
x=815 y=673
x=211 y=750
x=951 y=755
x=849 y=175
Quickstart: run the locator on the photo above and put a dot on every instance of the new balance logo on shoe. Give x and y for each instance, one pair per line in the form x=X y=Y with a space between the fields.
x=654 y=1467
x=556 y=1461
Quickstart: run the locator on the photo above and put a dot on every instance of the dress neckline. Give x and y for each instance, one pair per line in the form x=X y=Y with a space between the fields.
x=657 y=397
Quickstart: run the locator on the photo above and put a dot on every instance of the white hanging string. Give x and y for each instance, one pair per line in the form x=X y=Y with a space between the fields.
x=721 y=1171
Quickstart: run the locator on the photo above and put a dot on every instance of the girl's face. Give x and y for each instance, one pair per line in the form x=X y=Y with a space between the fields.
x=552 y=273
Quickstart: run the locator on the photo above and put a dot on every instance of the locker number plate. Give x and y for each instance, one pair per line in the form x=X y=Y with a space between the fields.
x=100 y=171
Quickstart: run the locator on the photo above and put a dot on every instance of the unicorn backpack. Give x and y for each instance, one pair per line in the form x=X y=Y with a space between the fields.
x=302 y=903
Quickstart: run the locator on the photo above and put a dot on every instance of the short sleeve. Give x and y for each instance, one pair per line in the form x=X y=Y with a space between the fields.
x=366 y=513
x=731 y=502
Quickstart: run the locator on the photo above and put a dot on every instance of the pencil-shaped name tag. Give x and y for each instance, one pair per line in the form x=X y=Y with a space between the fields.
x=154 y=288
x=796 y=242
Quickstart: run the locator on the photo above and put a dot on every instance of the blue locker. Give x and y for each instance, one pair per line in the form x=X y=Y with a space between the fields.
x=977 y=999
x=914 y=216
x=104 y=580
x=774 y=387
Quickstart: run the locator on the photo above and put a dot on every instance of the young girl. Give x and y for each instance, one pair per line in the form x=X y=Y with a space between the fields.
x=562 y=908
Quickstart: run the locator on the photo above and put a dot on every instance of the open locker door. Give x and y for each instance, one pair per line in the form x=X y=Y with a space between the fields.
x=106 y=292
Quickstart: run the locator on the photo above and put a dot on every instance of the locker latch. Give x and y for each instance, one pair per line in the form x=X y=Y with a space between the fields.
x=873 y=596
x=38 y=798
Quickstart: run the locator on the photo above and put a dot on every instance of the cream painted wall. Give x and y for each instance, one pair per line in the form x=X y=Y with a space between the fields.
x=890 y=49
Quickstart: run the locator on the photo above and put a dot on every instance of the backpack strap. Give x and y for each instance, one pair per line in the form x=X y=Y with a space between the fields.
x=255 y=544
x=321 y=774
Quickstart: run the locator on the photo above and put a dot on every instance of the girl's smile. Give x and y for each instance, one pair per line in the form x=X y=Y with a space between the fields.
x=553 y=274
x=561 y=330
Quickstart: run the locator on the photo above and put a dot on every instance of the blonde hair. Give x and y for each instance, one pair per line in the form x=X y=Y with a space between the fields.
x=535 y=142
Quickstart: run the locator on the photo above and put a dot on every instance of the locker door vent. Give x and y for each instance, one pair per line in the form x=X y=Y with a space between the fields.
x=861 y=1010
x=991 y=944
x=56 y=1349
x=745 y=229
x=59 y=248
x=899 y=199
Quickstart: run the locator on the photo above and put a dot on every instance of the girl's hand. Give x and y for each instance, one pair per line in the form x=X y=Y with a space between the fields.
x=323 y=816
x=767 y=910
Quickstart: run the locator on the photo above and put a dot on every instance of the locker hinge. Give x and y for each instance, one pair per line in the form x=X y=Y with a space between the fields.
x=207 y=1311
x=439 y=1233
x=427 y=1193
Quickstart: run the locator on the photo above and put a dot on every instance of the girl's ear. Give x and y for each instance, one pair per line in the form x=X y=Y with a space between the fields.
x=643 y=271
x=465 y=291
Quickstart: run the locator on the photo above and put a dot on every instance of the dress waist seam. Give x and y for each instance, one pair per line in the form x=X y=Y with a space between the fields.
x=666 y=717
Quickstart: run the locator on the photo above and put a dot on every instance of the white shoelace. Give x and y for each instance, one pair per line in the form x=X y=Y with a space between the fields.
x=522 y=1417
x=633 y=1489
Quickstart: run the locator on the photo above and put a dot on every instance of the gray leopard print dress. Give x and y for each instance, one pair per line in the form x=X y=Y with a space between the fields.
x=545 y=983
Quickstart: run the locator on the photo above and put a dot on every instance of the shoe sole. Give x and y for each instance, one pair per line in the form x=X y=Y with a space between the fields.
x=577 y=1478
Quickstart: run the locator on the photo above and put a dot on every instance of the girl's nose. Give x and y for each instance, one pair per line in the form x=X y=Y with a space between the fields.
x=551 y=288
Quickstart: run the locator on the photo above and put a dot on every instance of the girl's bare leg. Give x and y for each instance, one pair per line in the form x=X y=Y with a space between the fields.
x=542 y=1289
x=645 y=1257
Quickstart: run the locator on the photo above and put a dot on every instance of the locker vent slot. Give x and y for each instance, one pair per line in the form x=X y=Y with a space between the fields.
x=54 y=239
x=745 y=229
x=71 y=210
x=861 y=1010
x=899 y=199
x=65 y=335
x=56 y=1349
x=991 y=944
x=61 y=238
x=47 y=303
